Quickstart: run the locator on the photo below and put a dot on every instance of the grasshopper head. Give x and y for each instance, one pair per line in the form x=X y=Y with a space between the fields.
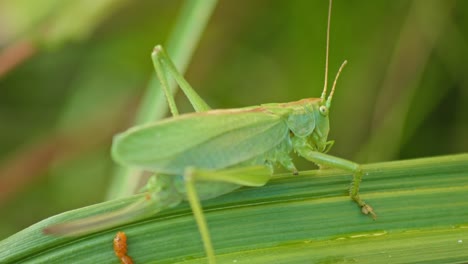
x=322 y=128
x=322 y=122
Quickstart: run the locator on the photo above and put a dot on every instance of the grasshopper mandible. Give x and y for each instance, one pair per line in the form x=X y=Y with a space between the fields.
x=202 y=155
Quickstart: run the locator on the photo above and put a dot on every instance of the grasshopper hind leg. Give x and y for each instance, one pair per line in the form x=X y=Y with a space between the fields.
x=165 y=67
x=197 y=210
x=254 y=176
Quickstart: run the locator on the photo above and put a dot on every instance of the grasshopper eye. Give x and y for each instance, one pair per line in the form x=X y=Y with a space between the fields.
x=323 y=110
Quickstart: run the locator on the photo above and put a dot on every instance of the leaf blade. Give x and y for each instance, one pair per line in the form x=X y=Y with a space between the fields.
x=421 y=204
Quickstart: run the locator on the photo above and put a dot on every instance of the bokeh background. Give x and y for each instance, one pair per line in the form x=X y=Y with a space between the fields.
x=72 y=74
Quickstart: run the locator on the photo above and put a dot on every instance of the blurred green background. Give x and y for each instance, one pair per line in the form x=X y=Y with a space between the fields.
x=72 y=74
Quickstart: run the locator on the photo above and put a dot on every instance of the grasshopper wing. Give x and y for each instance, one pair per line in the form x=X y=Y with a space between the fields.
x=209 y=140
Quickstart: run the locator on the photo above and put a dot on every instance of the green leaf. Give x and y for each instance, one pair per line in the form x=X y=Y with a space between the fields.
x=422 y=208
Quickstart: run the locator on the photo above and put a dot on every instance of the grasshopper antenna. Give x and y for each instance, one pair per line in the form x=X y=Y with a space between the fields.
x=329 y=99
x=324 y=93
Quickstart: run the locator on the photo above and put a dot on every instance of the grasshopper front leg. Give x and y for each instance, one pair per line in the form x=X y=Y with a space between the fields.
x=306 y=151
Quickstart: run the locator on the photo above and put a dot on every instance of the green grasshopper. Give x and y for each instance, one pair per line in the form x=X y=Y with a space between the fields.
x=202 y=155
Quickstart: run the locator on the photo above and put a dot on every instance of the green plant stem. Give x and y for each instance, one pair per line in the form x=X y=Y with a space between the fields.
x=181 y=45
x=422 y=208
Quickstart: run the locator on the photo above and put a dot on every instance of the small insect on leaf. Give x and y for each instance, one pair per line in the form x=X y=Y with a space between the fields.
x=120 y=248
